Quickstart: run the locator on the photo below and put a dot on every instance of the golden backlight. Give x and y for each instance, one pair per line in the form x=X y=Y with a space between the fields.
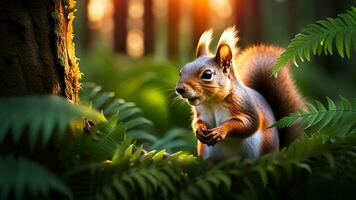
x=221 y=7
x=100 y=16
x=96 y=11
x=135 y=44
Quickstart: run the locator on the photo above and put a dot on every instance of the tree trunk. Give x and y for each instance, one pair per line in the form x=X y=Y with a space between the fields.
x=36 y=52
x=240 y=16
x=200 y=19
x=120 y=27
x=293 y=10
x=256 y=24
x=148 y=27
x=37 y=56
x=173 y=28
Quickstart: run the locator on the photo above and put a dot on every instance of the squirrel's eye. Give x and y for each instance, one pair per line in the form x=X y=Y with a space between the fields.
x=207 y=75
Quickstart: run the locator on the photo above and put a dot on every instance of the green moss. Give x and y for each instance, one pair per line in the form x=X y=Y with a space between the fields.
x=63 y=29
x=60 y=62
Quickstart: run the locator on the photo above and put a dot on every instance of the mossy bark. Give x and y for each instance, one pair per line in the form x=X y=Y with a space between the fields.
x=37 y=55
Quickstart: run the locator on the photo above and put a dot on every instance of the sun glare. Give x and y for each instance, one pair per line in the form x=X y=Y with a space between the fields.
x=100 y=15
x=135 y=43
x=136 y=10
x=221 y=7
x=98 y=10
x=160 y=8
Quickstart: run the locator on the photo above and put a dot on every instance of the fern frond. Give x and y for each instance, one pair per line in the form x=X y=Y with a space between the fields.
x=131 y=169
x=131 y=173
x=21 y=178
x=206 y=185
x=41 y=115
x=98 y=145
x=309 y=156
x=103 y=139
x=320 y=37
x=124 y=171
x=92 y=94
x=173 y=140
x=318 y=116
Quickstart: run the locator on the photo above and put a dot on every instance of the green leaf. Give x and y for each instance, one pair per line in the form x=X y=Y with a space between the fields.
x=158 y=156
x=304 y=166
x=113 y=106
x=121 y=189
x=250 y=186
x=99 y=101
x=142 y=183
x=89 y=91
x=330 y=159
x=224 y=178
x=321 y=34
x=143 y=135
x=170 y=136
x=129 y=113
x=206 y=188
x=50 y=112
x=28 y=179
x=319 y=117
x=263 y=175
x=136 y=122
x=150 y=178
x=137 y=154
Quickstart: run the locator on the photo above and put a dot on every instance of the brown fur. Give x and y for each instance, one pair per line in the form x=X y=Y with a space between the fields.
x=245 y=122
x=200 y=148
x=269 y=140
x=254 y=68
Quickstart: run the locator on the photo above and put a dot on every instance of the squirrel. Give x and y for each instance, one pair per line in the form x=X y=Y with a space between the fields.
x=235 y=100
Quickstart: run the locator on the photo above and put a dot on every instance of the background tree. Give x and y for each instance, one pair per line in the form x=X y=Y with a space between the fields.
x=255 y=20
x=148 y=29
x=200 y=20
x=240 y=16
x=87 y=31
x=293 y=10
x=120 y=27
x=37 y=55
x=173 y=28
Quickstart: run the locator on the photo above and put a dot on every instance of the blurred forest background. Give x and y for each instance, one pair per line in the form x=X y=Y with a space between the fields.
x=136 y=47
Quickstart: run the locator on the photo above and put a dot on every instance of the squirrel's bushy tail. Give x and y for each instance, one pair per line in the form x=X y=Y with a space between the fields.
x=254 y=68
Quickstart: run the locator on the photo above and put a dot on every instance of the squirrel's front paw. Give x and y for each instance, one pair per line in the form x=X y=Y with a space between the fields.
x=214 y=136
x=201 y=133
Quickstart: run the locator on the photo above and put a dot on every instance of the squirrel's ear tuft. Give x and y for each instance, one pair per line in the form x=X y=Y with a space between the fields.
x=227 y=47
x=204 y=42
x=224 y=55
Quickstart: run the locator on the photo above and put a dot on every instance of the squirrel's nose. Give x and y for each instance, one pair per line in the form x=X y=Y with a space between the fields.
x=180 y=90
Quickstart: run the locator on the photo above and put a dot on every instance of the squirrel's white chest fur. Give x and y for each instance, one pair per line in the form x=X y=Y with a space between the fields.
x=214 y=116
